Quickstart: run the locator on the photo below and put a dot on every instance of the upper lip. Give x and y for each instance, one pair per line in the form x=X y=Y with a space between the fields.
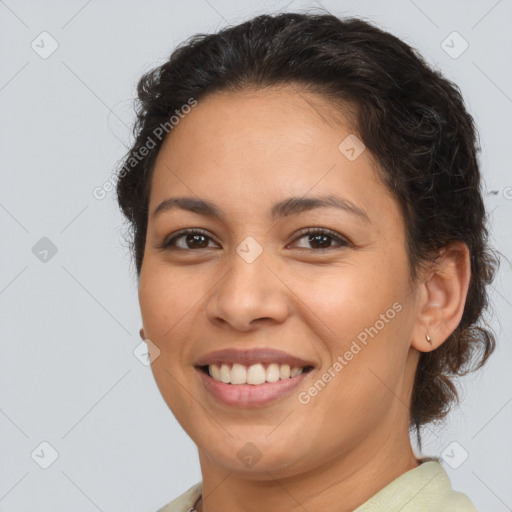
x=253 y=356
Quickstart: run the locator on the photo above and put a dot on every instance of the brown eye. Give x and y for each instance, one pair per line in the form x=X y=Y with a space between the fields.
x=192 y=239
x=321 y=238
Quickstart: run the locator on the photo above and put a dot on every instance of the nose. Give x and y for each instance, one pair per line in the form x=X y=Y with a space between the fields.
x=247 y=295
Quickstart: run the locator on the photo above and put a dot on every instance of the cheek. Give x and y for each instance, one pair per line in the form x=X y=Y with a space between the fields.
x=351 y=298
x=361 y=313
x=164 y=299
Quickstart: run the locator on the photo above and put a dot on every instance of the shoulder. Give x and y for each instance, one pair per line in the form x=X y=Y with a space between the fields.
x=426 y=488
x=185 y=501
x=441 y=493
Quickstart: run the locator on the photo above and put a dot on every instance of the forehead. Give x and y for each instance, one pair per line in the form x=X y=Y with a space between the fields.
x=251 y=147
x=284 y=114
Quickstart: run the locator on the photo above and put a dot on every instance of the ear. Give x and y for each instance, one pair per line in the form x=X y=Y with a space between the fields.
x=141 y=333
x=442 y=297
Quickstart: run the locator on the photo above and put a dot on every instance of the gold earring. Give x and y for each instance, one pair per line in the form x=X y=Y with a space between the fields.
x=429 y=339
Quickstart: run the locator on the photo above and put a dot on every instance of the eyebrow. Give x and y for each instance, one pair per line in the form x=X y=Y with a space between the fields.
x=290 y=206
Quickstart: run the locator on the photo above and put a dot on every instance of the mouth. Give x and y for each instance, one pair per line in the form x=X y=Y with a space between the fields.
x=252 y=378
x=254 y=375
x=255 y=393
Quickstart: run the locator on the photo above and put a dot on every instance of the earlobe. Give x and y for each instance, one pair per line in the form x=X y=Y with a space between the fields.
x=141 y=334
x=443 y=297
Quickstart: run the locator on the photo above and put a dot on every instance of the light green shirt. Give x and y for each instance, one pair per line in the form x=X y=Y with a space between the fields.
x=426 y=488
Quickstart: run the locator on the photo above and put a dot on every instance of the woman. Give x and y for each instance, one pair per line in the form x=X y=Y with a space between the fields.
x=310 y=243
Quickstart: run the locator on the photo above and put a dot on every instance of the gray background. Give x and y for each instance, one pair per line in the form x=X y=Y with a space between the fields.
x=70 y=320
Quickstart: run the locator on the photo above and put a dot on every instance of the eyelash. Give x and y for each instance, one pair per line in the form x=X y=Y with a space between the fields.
x=168 y=244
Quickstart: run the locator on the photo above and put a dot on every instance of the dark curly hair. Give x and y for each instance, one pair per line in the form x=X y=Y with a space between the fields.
x=411 y=118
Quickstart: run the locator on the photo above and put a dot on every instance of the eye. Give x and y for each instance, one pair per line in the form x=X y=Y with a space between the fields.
x=320 y=238
x=192 y=237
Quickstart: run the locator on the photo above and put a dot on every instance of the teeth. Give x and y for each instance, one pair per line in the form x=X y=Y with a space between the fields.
x=238 y=374
x=215 y=371
x=255 y=374
x=284 y=371
x=296 y=371
x=225 y=374
x=273 y=373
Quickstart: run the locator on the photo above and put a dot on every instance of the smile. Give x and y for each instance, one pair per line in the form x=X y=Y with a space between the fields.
x=255 y=374
x=250 y=395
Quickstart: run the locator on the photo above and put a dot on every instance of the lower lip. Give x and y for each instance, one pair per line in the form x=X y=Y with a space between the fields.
x=248 y=395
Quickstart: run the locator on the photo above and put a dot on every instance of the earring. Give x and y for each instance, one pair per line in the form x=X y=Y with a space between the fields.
x=429 y=339
x=141 y=334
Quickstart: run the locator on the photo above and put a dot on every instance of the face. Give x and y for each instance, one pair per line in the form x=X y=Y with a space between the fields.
x=249 y=276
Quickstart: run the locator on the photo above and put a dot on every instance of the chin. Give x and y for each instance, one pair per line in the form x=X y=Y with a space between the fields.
x=262 y=463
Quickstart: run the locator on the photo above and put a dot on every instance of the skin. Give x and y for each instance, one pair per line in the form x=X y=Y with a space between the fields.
x=244 y=152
